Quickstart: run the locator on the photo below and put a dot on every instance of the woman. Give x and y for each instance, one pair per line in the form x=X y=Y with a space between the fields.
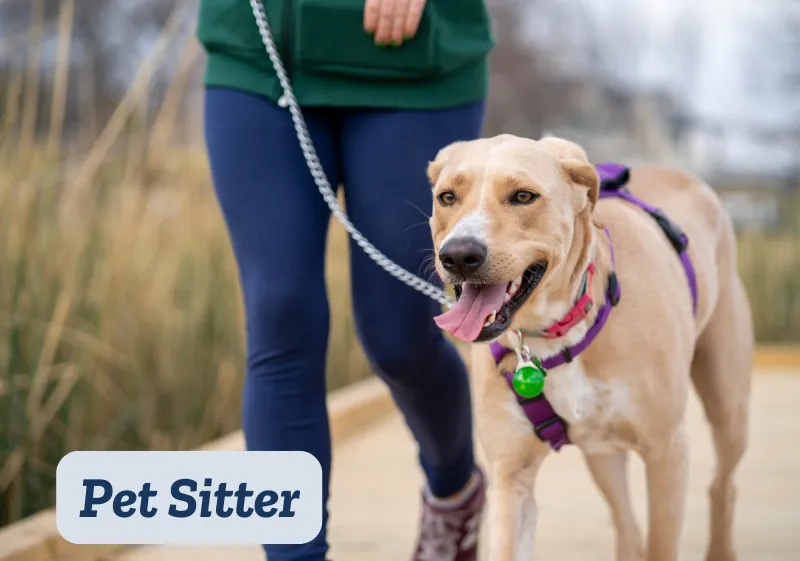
x=384 y=84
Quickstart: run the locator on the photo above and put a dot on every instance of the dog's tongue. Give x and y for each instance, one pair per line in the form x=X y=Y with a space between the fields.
x=465 y=320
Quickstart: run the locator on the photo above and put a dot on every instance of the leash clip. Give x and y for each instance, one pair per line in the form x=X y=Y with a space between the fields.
x=522 y=350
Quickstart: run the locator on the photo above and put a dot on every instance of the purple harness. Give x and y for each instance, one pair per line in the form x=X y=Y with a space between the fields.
x=547 y=425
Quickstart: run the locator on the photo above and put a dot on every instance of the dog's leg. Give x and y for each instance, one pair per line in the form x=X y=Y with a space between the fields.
x=730 y=441
x=512 y=512
x=721 y=376
x=513 y=454
x=610 y=472
x=667 y=468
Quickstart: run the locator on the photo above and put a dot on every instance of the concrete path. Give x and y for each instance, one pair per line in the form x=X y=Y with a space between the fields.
x=376 y=493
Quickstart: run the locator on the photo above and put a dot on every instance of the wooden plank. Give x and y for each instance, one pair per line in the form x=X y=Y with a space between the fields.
x=786 y=357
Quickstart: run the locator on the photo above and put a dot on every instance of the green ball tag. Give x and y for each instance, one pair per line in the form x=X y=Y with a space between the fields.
x=528 y=380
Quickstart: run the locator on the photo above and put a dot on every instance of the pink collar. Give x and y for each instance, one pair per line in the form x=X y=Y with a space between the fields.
x=579 y=310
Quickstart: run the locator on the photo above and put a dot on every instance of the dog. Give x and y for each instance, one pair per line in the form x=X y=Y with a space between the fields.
x=522 y=231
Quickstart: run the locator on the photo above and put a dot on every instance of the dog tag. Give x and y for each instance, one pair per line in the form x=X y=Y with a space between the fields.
x=528 y=380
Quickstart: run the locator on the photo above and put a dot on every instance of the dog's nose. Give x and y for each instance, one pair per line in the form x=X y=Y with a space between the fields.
x=462 y=256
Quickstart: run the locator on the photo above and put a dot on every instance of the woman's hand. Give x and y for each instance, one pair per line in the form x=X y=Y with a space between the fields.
x=392 y=21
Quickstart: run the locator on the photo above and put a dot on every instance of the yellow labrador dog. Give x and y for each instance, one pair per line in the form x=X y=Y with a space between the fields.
x=539 y=258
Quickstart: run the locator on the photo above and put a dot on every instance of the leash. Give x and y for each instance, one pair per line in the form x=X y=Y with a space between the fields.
x=289 y=101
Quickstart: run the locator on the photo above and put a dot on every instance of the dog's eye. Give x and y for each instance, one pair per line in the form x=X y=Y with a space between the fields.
x=447 y=198
x=523 y=197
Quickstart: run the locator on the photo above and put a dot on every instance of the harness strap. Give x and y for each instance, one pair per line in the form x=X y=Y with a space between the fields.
x=614 y=179
x=546 y=423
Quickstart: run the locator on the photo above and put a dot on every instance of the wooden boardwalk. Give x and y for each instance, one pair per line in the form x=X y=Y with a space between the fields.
x=376 y=494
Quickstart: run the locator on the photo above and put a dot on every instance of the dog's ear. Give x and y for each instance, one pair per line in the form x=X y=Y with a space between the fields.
x=583 y=174
x=435 y=167
x=575 y=163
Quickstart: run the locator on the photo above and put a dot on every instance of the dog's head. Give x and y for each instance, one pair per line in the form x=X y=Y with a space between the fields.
x=505 y=216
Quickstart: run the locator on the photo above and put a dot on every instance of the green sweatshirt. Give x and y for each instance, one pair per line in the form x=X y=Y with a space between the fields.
x=332 y=61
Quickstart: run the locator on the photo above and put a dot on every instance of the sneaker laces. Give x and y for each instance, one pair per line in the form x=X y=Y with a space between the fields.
x=440 y=535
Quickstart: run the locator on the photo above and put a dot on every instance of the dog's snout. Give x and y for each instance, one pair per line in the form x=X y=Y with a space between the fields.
x=462 y=256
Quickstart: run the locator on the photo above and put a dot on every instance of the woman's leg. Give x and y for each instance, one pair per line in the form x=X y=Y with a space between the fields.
x=278 y=224
x=384 y=160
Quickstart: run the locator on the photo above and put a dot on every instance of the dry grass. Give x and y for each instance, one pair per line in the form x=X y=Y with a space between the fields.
x=770 y=268
x=120 y=319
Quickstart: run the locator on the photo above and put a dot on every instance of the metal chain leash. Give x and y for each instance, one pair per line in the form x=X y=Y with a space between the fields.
x=288 y=100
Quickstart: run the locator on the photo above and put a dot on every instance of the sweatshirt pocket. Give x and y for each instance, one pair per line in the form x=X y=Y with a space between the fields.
x=328 y=37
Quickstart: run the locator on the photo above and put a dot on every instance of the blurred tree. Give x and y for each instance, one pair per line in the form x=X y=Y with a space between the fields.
x=558 y=64
x=527 y=94
x=107 y=44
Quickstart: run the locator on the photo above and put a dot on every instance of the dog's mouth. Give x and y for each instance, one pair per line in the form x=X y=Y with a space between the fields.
x=484 y=311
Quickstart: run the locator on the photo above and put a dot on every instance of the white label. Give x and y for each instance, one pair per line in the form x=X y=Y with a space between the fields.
x=189 y=497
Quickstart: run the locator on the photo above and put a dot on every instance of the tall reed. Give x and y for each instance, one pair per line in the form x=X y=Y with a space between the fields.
x=120 y=318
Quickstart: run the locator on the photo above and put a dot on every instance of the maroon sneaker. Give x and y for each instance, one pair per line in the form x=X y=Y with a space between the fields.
x=450 y=533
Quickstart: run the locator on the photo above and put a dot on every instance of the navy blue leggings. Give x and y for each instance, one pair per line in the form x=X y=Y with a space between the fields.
x=278 y=223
